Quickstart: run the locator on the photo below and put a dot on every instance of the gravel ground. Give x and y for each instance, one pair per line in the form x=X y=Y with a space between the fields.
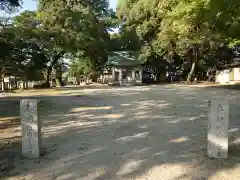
x=137 y=133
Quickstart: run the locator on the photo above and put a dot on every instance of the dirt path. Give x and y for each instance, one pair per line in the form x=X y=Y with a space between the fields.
x=155 y=132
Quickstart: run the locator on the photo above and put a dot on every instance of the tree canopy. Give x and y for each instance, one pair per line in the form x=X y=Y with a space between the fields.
x=192 y=29
x=9 y=4
x=186 y=34
x=59 y=29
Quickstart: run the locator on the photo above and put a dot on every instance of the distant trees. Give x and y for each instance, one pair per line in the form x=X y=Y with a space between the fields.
x=34 y=42
x=190 y=35
x=9 y=4
x=191 y=30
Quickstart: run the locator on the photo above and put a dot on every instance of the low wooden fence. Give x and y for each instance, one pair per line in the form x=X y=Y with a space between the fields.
x=17 y=85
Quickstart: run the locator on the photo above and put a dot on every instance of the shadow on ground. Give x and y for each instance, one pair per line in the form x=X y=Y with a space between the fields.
x=229 y=86
x=142 y=133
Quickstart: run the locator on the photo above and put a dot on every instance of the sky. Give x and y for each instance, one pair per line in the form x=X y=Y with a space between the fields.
x=29 y=5
x=113 y=3
x=32 y=5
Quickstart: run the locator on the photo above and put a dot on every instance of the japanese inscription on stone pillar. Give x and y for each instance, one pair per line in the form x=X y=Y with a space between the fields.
x=218 y=120
x=31 y=128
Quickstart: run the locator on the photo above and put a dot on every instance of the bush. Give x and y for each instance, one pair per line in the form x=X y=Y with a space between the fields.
x=41 y=85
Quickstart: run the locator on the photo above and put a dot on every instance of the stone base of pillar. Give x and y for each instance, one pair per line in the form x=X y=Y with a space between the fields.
x=137 y=82
x=114 y=83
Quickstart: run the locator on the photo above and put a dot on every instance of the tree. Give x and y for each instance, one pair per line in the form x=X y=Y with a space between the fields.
x=9 y=4
x=24 y=56
x=192 y=30
x=28 y=50
x=38 y=40
x=124 y=40
x=142 y=17
x=73 y=27
x=81 y=67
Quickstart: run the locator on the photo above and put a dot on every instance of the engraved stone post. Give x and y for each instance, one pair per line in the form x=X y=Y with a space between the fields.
x=113 y=74
x=218 y=129
x=31 y=128
x=133 y=75
x=141 y=74
x=120 y=76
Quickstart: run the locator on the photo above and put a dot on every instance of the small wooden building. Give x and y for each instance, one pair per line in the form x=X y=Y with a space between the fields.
x=125 y=68
x=231 y=73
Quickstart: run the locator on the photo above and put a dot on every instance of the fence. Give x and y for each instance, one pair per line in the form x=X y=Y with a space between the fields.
x=13 y=84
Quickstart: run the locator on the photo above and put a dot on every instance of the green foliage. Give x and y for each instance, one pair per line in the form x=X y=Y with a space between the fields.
x=81 y=66
x=23 y=56
x=192 y=30
x=124 y=40
x=37 y=41
x=76 y=26
x=9 y=5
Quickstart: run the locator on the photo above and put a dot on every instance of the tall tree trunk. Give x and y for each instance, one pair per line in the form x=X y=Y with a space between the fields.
x=58 y=76
x=2 y=80
x=49 y=71
x=190 y=74
x=3 y=84
x=78 y=78
x=163 y=75
x=50 y=67
x=158 y=74
x=58 y=82
x=158 y=78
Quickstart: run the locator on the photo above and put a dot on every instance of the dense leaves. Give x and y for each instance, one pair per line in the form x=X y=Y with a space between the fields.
x=39 y=41
x=9 y=5
x=192 y=30
x=190 y=35
x=23 y=56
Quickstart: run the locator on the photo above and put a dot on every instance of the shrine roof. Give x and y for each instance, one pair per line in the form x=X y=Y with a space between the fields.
x=123 y=58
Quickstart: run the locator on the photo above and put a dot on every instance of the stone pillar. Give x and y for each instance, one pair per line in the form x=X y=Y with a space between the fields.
x=120 y=76
x=3 y=85
x=113 y=73
x=140 y=75
x=133 y=76
x=31 y=128
x=218 y=120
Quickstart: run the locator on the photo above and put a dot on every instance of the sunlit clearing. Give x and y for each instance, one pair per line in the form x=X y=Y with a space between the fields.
x=60 y=128
x=140 y=113
x=67 y=176
x=193 y=118
x=107 y=116
x=129 y=167
x=130 y=138
x=174 y=121
x=179 y=140
x=182 y=119
x=139 y=151
x=142 y=126
x=234 y=130
x=159 y=153
x=166 y=170
x=8 y=118
x=150 y=117
x=125 y=105
x=163 y=105
x=96 y=150
x=90 y=109
x=96 y=173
